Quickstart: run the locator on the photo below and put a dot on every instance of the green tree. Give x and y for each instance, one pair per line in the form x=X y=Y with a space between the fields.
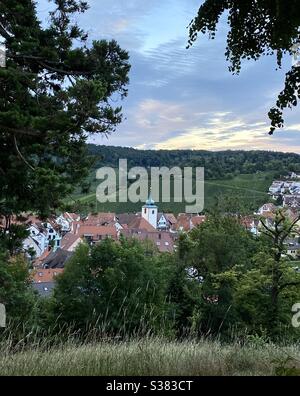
x=220 y=250
x=113 y=286
x=281 y=276
x=54 y=92
x=16 y=292
x=257 y=28
x=253 y=298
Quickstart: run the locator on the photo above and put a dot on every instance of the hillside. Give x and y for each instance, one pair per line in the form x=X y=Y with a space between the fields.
x=242 y=176
x=218 y=164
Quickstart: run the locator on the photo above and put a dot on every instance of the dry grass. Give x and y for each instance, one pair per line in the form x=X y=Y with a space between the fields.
x=148 y=357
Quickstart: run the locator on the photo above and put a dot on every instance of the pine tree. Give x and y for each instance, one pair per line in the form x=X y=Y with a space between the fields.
x=55 y=91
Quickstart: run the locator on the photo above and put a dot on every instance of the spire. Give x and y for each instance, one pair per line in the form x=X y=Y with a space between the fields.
x=150 y=200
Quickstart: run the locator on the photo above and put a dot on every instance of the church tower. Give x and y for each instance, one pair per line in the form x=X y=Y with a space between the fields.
x=150 y=211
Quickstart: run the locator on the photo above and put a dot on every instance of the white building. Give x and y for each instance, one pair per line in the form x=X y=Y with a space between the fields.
x=36 y=241
x=150 y=211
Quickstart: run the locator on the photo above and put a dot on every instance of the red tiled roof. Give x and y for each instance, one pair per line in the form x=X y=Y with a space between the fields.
x=141 y=224
x=197 y=220
x=99 y=219
x=187 y=221
x=68 y=240
x=162 y=240
x=46 y=275
x=96 y=231
x=171 y=218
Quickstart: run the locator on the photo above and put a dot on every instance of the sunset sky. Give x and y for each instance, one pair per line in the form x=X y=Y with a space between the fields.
x=186 y=99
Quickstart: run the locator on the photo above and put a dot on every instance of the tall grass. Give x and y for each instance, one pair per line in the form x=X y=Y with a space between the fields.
x=145 y=356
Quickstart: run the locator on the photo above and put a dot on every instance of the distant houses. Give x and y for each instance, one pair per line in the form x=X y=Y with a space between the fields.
x=51 y=242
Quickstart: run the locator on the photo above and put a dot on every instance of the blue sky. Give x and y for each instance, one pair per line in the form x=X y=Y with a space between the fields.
x=186 y=99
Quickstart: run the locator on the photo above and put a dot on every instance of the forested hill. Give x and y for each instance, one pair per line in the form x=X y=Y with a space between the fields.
x=217 y=164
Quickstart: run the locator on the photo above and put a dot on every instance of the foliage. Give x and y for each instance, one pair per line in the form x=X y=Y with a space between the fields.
x=16 y=292
x=54 y=92
x=116 y=286
x=220 y=250
x=221 y=164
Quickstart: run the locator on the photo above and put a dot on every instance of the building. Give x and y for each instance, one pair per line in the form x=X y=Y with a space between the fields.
x=44 y=280
x=266 y=208
x=70 y=242
x=150 y=211
x=56 y=259
x=93 y=234
x=186 y=222
x=291 y=201
x=161 y=239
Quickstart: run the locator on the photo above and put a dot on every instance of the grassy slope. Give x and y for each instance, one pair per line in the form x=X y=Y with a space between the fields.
x=251 y=189
x=150 y=357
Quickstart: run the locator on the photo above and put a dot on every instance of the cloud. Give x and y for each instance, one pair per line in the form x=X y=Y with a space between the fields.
x=181 y=98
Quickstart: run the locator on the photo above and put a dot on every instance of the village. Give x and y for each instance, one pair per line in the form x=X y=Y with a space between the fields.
x=51 y=243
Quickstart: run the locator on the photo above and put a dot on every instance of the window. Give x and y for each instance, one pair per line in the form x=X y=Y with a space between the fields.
x=145 y=210
x=152 y=211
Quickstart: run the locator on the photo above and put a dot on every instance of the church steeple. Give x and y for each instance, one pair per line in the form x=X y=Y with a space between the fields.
x=150 y=211
x=150 y=201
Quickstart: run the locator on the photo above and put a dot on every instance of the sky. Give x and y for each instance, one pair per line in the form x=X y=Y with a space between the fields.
x=186 y=98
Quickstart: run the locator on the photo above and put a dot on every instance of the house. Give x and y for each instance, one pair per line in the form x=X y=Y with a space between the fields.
x=293 y=248
x=186 y=222
x=162 y=240
x=197 y=220
x=166 y=221
x=251 y=223
x=276 y=188
x=266 y=208
x=93 y=234
x=162 y=222
x=139 y=223
x=37 y=240
x=44 y=280
x=66 y=221
x=70 y=242
x=126 y=218
x=293 y=175
x=44 y=275
x=56 y=259
x=31 y=247
x=53 y=234
x=99 y=219
x=292 y=201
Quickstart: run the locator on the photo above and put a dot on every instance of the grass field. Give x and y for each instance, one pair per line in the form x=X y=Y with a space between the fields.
x=152 y=357
x=250 y=189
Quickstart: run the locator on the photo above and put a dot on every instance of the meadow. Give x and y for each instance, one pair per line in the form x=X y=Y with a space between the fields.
x=153 y=357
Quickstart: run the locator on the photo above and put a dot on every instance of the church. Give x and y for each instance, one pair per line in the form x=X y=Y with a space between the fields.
x=159 y=221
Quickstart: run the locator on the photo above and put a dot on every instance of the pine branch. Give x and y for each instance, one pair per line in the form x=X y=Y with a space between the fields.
x=21 y=156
